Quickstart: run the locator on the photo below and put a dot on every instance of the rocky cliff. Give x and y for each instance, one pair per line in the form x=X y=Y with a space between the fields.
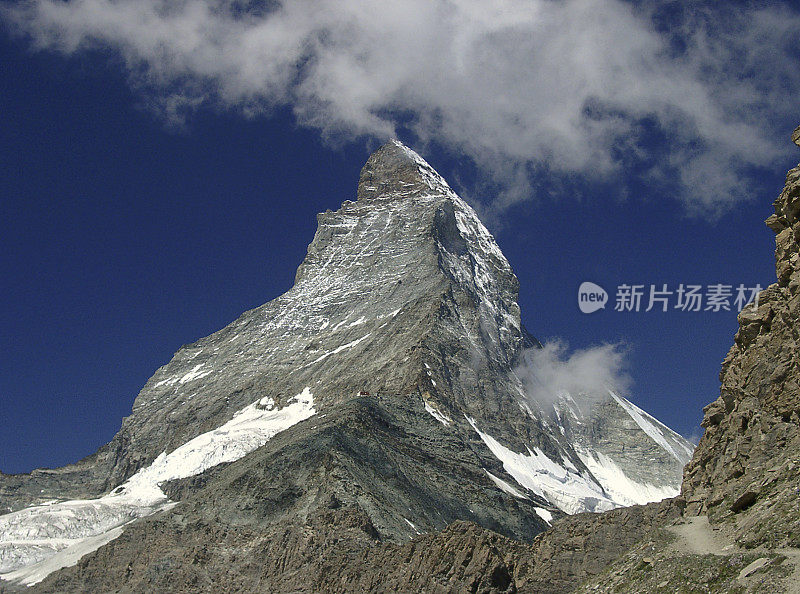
x=749 y=457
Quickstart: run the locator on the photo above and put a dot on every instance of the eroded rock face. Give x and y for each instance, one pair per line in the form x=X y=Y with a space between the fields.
x=748 y=460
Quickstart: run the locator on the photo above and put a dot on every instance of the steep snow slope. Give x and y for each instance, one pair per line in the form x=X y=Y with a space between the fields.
x=627 y=456
x=38 y=540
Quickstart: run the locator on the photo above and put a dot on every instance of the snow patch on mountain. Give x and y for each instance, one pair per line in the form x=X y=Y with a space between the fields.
x=568 y=490
x=437 y=414
x=339 y=349
x=656 y=430
x=504 y=486
x=546 y=515
x=609 y=482
x=38 y=540
x=619 y=487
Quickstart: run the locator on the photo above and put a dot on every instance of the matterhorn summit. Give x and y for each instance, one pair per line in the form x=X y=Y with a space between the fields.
x=375 y=402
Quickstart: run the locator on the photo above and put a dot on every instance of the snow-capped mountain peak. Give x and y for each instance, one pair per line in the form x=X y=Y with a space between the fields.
x=383 y=381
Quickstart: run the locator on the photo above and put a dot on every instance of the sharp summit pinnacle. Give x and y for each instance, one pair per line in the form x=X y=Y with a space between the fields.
x=394 y=170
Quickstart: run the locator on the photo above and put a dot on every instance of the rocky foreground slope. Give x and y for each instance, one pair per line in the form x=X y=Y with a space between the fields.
x=366 y=431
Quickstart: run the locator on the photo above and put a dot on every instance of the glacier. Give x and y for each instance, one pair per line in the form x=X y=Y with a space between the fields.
x=38 y=540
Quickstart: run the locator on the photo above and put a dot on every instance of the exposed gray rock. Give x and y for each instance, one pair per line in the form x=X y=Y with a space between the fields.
x=753 y=567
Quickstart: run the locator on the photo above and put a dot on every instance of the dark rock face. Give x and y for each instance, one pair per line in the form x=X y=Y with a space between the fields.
x=749 y=457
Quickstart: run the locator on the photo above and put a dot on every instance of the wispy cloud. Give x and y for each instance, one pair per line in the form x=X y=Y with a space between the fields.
x=690 y=95
x=695 y=435
x=549 y=372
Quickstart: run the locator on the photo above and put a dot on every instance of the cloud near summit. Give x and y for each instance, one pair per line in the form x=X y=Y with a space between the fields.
x=549 y=372
x=690 y=95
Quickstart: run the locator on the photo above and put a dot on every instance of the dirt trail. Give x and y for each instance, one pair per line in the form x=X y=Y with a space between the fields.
x=793 y=581
x=697 y=537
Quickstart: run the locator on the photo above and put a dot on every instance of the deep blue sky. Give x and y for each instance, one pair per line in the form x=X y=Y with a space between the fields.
x=122 y=240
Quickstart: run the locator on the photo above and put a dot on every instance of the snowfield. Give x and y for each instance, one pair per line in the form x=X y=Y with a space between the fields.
x=606 y=485
x=39 y=540
x=568 y=490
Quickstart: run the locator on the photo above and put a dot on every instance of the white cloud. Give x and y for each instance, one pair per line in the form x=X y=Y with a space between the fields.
x=549 y=372
x=523 y=88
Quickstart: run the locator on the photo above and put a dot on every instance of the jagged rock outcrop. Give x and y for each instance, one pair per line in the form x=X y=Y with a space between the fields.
x=749 y=457
x=339 y=550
